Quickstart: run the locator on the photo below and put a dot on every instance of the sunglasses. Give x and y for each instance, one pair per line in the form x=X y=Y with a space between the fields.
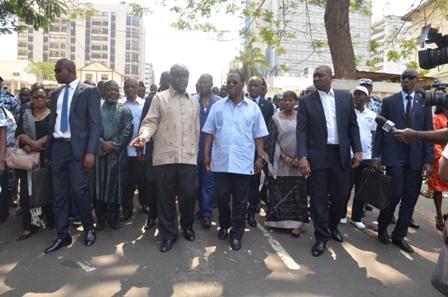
x=57 y=70
x=408 y=76
x=233 y=82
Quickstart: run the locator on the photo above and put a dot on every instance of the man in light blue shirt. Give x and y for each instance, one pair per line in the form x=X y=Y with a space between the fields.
x=236 y=128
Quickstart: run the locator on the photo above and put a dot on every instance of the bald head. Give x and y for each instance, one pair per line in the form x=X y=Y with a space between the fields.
x=65 y=71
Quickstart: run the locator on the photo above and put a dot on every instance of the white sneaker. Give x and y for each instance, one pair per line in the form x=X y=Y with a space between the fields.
x=343 y=220
x=359 y=225
x=375 y=223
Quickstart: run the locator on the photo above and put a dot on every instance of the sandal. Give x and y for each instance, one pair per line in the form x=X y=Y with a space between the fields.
x=296 y=231
x=440 y=226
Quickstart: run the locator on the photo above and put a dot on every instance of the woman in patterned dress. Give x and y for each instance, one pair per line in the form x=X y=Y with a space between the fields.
x=434 y=182
x=288 y=205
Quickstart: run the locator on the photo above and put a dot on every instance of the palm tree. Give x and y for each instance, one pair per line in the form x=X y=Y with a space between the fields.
x=251 y=58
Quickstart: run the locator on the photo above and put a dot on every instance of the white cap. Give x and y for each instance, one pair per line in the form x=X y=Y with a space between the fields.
x=360 y=88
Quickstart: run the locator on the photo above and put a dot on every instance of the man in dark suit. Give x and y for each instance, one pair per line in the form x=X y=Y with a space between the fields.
x=73 y=142
x=255 y=89
x=165 y=84
x=326 y=130
x=406 y=163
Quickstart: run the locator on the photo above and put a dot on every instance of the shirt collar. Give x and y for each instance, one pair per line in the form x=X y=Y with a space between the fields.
x=254 y=99
x=404 y=95
x=173 y=92
x=322 y=93
x=138 y=100
x=74 y=84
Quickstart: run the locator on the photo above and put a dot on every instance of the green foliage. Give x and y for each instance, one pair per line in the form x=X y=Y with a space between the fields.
x=358 y=59
x=371 y=63
x=372 y=46
x=42 y=70
x=138 y=10
x=250 y=58
x=393 y=55
x=414 y=65
x=39 y=14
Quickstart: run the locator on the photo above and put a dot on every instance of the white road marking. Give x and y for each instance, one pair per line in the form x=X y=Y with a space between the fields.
x=281 y=252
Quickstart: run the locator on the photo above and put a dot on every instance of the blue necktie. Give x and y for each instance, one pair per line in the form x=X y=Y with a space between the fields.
x=64 y=122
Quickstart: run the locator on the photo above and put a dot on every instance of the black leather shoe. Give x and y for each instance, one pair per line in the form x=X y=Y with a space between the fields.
x=26 y=235
x=125 y=217
x=100 y=224
x=402 y=244
x=318 y=248
x=189 y=235
x=58 y=243
x=114 y=224
x=90 y=237
x=393 y=221
x=413 y=224
x=145 y=209
x=51 y=227
x=251 y=221
x=149 y=224
x=368 y=207
x=198 y=215
x=235 y=244
x=206 y=221
x=167 y=245
x=336 y=235
x=383 y=236
x=222 y=234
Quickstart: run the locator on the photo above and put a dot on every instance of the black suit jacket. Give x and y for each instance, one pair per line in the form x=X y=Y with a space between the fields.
x=149 y=147
x=267 y=109
x=84 y=121
x=312 y=129
x=389 y=148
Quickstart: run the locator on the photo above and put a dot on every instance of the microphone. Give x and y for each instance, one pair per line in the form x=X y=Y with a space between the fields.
x=387 y=126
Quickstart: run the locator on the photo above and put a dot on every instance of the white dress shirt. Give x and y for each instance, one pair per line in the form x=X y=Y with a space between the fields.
x=57 y=127
x=329 y=104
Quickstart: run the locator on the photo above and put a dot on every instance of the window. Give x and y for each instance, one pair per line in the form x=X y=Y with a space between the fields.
x=105 y=14
x=16 y=74
x=89 y=76
x=105 y=31
x=23 y=44
x=105 y=24
x=96 y=56
x=104 y=76
x=96 y=31
x=96 y=47
x=104 y=48
x=104 y=56
x=96 y=23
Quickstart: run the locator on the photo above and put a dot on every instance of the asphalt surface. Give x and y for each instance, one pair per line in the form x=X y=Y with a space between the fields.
x=127 y=262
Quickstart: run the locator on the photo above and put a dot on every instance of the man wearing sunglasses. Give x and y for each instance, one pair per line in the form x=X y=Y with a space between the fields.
x=73 y=142
x=406 y=163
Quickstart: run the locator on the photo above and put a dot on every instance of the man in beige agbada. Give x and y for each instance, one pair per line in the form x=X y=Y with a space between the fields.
x=173 y=122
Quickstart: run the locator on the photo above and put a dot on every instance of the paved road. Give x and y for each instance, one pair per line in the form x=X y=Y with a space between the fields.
x=271 y=262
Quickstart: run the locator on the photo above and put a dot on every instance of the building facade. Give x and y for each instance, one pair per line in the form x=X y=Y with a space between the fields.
x=387 y=32
x=306 y=22
x=113 y=37
x=149 y=78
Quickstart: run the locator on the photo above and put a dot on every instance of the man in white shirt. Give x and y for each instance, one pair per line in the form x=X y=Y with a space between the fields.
x=367 y=127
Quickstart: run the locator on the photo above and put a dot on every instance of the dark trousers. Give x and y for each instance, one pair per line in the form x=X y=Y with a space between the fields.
x=151 y=191
x=136 y=176
x=175 y=180
x=238 y=186
x=406 y=188
x=25 y=204
x=103 y=209
x=69 y=178
x=206 y=190
x=4 y=202
x=355 y=179
x=254 y=189
x=328 y=191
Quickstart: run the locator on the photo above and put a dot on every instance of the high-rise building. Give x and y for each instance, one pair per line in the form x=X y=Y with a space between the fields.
x=113 y=37
x=149 y=78
x=307 y=24
x=387 y=32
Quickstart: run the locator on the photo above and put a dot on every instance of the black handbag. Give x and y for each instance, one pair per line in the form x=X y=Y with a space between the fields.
x=42 y=190
x=375 y=189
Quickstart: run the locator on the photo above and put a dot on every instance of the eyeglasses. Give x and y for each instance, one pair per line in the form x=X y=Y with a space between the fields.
x=408 y=76
x=40 y=97
x=233 y=82
x=57 y=70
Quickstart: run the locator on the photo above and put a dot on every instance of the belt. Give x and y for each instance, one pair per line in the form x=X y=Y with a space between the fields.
x=62 y=139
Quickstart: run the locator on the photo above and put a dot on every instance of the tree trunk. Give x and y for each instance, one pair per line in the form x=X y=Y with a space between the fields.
x=337 y=26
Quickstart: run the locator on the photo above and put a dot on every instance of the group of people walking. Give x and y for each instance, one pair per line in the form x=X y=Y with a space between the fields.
x=177 y=148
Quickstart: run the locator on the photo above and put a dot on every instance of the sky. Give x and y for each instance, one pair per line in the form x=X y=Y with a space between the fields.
x=166 y=46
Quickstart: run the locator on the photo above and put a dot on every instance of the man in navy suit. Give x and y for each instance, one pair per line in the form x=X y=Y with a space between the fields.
x=73 y=142
x=326 y=130
x=406 y=163
x=255 y=88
